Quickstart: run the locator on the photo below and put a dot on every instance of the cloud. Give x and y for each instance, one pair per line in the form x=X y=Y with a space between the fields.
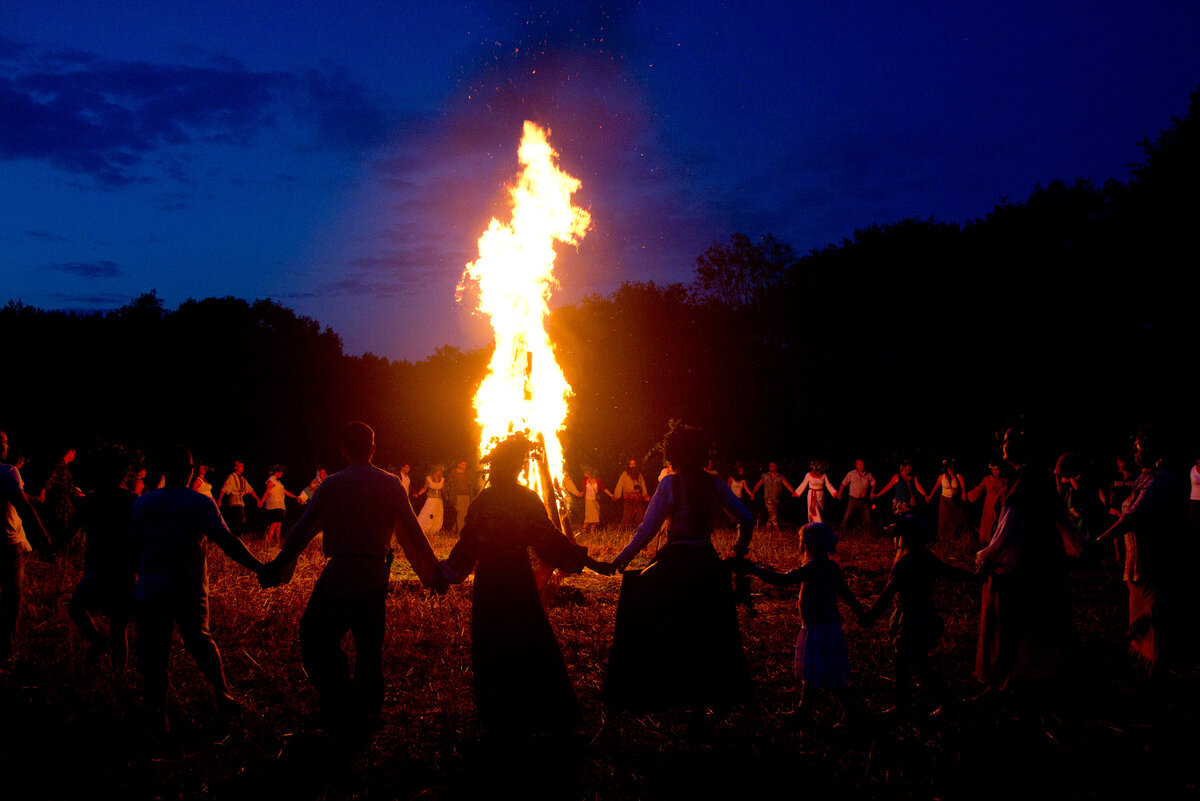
x=95 y=269
x=45 y=236
x=103 y=118
x=69 y=302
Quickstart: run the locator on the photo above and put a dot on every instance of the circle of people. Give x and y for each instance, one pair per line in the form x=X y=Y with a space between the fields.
x=145 y=561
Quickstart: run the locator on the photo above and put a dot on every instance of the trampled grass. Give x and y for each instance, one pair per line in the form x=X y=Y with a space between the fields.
x=70 y=731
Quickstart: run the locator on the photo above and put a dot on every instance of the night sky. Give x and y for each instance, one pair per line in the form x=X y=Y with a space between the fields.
x=343 y=159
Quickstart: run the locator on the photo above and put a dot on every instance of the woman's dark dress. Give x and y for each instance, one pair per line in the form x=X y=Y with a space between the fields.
x=521 y=682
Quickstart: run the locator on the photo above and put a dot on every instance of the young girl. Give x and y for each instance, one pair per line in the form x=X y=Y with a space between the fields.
x=821 y=659
x=916 y=624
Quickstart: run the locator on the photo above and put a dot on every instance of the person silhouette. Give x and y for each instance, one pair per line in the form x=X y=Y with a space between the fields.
x=359 y=509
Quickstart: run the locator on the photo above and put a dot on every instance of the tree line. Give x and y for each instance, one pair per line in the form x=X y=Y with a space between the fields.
x=1075 y=308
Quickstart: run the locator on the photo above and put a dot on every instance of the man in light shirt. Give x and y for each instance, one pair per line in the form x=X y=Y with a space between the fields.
x=858 y=507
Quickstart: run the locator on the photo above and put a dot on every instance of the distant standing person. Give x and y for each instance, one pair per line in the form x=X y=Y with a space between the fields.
x=1194 y=502
x=992 y=489
x=1155 y=525
x=631 y=489
x=737 y=484
x=859 y=484
x=273 y=500
x=232 y=499
x=18 y=513
x=431 y=515
x=816 y=483
x=59 y=496
x=460 y=488
x=360 y=509
x=772 y=483
x=592 y=489
x=170 y=528
x=908 y=489
x=308 y=492
x=200 y=483
x=406 y=482
x=952 y=514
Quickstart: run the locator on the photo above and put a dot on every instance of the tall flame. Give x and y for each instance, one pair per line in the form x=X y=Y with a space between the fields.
x=525 y=389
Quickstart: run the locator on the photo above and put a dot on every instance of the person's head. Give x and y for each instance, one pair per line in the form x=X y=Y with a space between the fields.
x=817 y=541
x=1148 y=446
x=3 y=446
x=817 y=466
x=860 y=465
x=994 y=467
x=1016 y=447
x=772 y=467
x=587 y=470
x=507 y=460
x=321 y=473
x=948 y=467
x=113 y=464
x=461 y=467
x=631 y=467
x=739 y=469
x=176 y=465
x=1069 y=465
x=358 y=441
x=69 y=456
x=405 y=469
x=201 y=469
x=276 y=470
x=906 y=469
x=239 y=467
x=911 y=532
x=437 y=471
x=685 y=449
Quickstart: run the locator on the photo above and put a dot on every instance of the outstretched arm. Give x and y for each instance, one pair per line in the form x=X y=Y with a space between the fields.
x=219 y=533
x=29 y=515
x=886 y=489
x=416 y=548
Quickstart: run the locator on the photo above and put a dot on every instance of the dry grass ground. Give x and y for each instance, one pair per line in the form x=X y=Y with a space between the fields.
x=69 y=731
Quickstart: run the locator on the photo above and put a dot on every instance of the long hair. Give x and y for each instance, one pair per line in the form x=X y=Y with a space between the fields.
x=687 y=450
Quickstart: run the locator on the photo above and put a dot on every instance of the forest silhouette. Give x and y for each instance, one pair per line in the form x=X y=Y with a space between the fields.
x=1074 y=308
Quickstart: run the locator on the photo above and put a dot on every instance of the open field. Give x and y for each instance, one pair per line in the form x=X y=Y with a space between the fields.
x=69 y=732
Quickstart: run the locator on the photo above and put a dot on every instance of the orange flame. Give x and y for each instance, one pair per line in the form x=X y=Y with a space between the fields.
x=525 y=389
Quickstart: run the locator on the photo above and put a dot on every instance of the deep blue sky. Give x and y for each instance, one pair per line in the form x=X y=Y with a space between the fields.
x=344 y=162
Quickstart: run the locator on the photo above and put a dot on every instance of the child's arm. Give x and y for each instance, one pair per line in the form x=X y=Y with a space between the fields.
x=843 y=589
x=956 y=573
x=881 y=603
x=773 y=577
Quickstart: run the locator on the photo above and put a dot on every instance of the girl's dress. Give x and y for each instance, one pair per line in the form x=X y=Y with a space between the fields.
x=821 y=659
x=431 y=513
x=817 y=486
